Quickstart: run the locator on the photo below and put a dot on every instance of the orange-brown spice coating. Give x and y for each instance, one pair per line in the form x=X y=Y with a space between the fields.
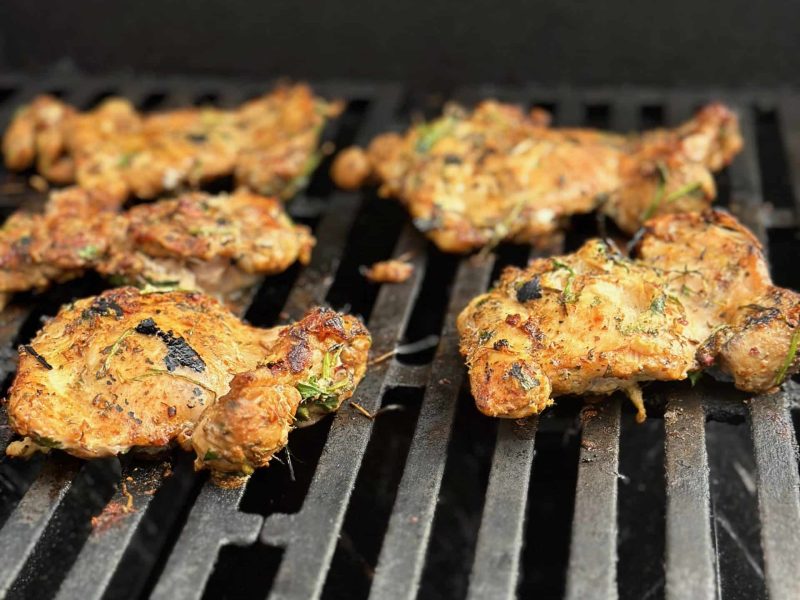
x=269 y=144
x=127 y=370
x=697 y=294
x=219 y=244
x=475 y=178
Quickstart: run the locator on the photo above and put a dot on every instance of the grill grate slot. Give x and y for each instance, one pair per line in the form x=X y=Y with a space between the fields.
x=199 y=524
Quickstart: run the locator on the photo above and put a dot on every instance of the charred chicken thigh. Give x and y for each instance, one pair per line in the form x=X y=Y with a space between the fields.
x=127 y=370
x=474 y=178
x=219 y=244
x=697 y=294
x=269 y=144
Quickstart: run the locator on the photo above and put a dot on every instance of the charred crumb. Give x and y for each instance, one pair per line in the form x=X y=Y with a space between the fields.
x=501 y=345
x=41 y=359
x=530 y=290
x=179 y=352
x=102 y=307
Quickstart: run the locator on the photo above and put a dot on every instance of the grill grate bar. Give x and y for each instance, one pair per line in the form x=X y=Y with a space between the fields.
x=775 y=448
x=212 y=523
x=690 y=554
x=103 y=550
x=495 y=569
x=592 y=568
x=310 y=535
x=746 y=201
x=593 y=547
x=402 y=555
x=24 y=528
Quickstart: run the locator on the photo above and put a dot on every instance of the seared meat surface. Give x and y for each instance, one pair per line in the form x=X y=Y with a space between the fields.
x=269 y=144
x=128 y=369
x=219 y=244
x=471 y=179
x=697 y=294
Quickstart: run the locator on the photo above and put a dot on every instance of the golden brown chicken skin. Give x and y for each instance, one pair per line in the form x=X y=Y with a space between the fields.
x=128 y=370
x=219 y=244
x=269 y=144
x=697 y=294
x=472 y=179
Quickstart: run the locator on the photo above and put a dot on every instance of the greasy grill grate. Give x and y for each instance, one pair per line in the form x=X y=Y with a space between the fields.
x=446 y=503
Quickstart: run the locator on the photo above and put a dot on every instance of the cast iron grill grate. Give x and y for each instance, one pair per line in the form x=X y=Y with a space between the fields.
x=433 y=500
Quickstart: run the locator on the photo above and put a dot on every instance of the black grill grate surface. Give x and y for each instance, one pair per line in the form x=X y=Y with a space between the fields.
x=482 y=509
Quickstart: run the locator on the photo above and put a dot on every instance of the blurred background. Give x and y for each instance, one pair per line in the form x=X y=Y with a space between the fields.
x=434 y=44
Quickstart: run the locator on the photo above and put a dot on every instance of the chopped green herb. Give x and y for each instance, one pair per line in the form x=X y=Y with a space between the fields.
x=125 y=160
x=89 y=252
x=658 y=304
x=430 y=133
x=663 y=175
x=115 y=347
x=567 y=294
x=789 y=359
x=44 y=441
x=210 y=455
x=686 y=190
x=694 y=376
x=156 y=372
x=329 y=360
x=525 y=380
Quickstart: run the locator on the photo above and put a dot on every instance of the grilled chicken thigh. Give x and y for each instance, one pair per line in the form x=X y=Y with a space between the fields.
x=269 y=144
x=471 y=179
x=219 y=244
x=128 y=369
x=697 y=294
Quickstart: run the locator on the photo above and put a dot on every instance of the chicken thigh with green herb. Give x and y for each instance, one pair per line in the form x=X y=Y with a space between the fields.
x=697 y=294
x=219 y=244
x=269 y=144
x=474 y=178
x=126 y=370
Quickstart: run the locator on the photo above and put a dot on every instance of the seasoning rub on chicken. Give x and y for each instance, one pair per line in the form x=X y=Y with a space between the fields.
x=697 y=294
x=218 y=244
x=269 y=144
x=471 y=179
x=130 y=370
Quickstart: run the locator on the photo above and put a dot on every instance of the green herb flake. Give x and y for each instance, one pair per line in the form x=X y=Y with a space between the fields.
x=525 y=381
x=89 y=252
x=694 y=376
x=789 y=359
x=658 y=197
x=430 y=133
x=567 y=294
x=658 y=304
x=210 y=455
x=125 y=160
x=46 y=442
x=686 y=190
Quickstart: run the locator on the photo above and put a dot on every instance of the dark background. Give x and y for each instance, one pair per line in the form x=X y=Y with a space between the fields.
x=429 y=43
